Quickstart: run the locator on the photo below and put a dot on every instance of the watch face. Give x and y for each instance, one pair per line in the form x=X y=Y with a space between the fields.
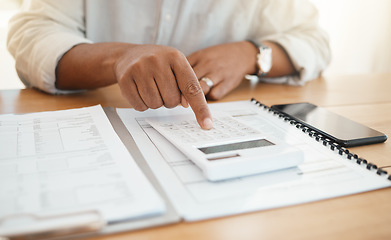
x=265 y=59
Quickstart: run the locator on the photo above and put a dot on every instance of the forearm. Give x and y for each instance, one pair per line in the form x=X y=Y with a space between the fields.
x=89 y=66
x=281 y=63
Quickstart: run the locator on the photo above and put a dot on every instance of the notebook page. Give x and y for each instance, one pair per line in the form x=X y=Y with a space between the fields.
x=323 y=174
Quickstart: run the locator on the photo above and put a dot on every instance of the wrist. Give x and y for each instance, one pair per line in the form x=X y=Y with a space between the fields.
x=117 y=55
x=88 y=66
x=251 y=57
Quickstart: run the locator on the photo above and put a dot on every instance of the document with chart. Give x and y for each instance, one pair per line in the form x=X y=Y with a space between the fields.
x=71 y=161
x=321 y=173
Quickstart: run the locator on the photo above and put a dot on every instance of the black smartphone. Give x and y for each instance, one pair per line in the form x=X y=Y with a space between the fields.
x=339 y=129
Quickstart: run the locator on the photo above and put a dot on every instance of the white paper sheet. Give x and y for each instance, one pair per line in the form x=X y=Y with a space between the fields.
x=70 y=161
x=324 y=174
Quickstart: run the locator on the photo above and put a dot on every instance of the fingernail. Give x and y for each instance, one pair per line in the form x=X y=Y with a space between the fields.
x=207 y=123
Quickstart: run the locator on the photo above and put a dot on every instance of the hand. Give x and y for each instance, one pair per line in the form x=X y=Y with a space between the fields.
x=151 y=76
x=225 y=64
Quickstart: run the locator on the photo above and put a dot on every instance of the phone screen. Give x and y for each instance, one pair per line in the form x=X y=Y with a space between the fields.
x=340 y=129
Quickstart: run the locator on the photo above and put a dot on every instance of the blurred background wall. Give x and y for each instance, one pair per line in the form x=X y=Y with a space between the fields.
x=359 y=30
x=8 y=77
x=360 y=35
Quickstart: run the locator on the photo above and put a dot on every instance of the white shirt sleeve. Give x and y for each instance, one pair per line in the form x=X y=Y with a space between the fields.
x=294 y=26
x=39 y=37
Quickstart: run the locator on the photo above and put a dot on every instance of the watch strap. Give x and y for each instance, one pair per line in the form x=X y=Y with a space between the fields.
x=260 y=47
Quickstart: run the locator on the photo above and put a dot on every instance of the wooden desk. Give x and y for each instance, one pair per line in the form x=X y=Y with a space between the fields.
x=362 y=216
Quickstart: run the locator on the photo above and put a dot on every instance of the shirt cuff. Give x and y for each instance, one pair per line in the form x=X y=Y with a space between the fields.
x=305 y=59
x=46 y=55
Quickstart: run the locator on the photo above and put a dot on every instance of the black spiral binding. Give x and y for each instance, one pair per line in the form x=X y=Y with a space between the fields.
x=324 y=140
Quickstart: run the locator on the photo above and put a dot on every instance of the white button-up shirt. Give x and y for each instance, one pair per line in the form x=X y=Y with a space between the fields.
x=42 y=34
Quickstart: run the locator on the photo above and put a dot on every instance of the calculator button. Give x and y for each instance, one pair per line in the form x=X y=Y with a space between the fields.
x=223 y=127
x=200 y=134
x=218 y=123
x=214 y=131
x=205 y=138
x=189 y=126
x=232 y=130
x=166 y=124
x=222 y=136
x=192 y=130
x=251 y=131
x=189 y=140
x=239 y=134
x=173 y=127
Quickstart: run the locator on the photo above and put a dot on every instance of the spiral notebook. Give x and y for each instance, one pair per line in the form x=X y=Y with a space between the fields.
x=328 y=170
x=323 y=139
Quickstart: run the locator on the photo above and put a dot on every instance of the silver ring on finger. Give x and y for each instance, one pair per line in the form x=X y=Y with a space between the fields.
x=208 y=81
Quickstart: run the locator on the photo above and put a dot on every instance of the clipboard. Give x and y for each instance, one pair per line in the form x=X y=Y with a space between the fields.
x=90 y=223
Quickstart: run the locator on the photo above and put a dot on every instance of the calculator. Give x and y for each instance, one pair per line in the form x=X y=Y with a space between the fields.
x=230 y=149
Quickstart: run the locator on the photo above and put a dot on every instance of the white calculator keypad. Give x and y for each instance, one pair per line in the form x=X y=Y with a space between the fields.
x=228 y=151
x=224 y=128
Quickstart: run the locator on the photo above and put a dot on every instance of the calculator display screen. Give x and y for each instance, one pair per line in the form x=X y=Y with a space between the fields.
x=236 y=146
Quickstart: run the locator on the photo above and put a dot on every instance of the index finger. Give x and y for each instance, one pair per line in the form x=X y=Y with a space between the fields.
x=192 y=91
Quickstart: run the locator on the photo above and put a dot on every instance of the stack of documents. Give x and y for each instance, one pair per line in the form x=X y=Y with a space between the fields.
x=67 y=165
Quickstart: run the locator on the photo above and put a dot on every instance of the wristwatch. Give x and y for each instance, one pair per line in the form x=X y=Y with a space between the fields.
x=264 y=59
